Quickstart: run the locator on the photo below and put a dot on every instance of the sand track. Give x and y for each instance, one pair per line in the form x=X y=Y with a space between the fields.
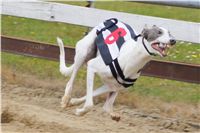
x=38 y=110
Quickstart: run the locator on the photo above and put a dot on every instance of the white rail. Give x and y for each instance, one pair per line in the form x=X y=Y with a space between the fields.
x=55 y=12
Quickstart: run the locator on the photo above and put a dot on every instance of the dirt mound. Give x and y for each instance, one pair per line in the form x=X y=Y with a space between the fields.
x=38 y=110
x=6 y=116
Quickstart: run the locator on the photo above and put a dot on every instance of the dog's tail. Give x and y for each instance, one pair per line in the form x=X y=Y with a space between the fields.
x=66 y=71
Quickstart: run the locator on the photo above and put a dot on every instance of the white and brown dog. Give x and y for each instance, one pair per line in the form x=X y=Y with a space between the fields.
x=133 y=52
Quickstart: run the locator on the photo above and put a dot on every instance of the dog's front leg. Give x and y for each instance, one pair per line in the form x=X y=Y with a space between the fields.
x=101 y=90
x=108 y=106
x=89 y=93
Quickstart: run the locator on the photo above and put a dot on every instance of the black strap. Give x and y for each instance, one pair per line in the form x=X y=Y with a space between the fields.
x=108 y=26
x=114 y=73
x=132 y=32
x=136 y=37
x=118 y=72
x=153 y=54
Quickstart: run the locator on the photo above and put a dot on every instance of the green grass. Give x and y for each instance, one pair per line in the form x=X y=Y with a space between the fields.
x=41 y=30
x=178 y=13
x=167 y=90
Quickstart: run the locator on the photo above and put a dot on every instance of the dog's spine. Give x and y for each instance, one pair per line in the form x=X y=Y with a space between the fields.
x=66 y=71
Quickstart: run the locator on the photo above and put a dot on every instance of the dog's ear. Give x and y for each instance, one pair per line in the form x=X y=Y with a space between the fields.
x=145 y=26
x=154 y=26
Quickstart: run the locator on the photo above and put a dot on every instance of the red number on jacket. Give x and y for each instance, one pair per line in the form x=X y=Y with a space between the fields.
x=114 y=36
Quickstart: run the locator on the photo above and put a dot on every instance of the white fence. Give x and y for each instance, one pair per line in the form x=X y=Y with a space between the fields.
x=55 y=12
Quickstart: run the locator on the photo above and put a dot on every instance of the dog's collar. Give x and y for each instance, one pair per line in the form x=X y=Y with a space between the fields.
x=152 y=54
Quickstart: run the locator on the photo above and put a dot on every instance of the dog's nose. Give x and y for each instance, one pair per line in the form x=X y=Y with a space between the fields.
x=172 y=41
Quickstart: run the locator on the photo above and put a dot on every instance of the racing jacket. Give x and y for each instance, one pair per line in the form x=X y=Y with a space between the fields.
x=111 y=35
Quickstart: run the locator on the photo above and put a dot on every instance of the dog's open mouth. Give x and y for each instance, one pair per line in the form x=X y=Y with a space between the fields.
x=162 y=48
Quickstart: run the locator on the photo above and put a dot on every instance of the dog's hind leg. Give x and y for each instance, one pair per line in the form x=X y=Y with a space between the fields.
x=101 y=90
x=83 y=48
x=67 y=96
x=66 y=71
x=79 y=60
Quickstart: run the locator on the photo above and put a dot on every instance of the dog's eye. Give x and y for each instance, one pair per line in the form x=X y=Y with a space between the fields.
x=159 y=32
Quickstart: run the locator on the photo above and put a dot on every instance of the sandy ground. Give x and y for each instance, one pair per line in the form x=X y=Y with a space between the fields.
x=37 y=109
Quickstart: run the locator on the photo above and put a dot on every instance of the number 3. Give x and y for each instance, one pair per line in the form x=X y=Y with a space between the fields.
x=114 y=36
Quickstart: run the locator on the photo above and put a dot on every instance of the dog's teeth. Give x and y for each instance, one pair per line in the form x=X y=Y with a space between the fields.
x=163 y=53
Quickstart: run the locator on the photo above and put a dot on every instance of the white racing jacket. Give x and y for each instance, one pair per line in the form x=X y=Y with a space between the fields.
x=111 y=35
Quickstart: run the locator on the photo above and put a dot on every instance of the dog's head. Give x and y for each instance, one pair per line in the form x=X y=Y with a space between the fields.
x=160 y=39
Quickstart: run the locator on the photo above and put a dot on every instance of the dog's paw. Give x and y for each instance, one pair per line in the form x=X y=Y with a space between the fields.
x=65 y=101
x=82 y=111
x=115 y=116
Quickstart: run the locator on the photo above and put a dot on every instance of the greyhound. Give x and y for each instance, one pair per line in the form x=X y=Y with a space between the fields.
x=133 y=56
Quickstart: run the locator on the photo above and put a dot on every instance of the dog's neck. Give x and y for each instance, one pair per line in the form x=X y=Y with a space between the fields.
x=135 y=58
